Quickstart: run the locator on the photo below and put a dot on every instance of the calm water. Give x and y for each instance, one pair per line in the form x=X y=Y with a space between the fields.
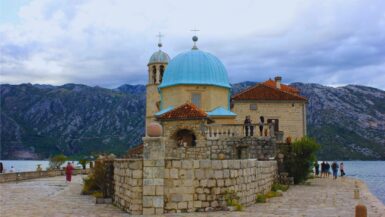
x=29 y=165
x=371 y=172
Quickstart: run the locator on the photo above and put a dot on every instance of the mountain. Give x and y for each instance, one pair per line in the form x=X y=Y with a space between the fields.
x=38 y=121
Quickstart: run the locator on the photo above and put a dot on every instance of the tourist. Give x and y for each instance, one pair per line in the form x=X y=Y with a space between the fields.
x=327 y=169
x=335 y=169
x=323 y=169
x=316 y=167
x=342 y=169
x=69 y=168
x=261 y=123
x=39 y=169
x=248 y=127
x=1 y=167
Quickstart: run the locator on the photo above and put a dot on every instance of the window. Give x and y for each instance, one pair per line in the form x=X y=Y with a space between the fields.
x=196 y=99
x=161 y=73
x=253 y=106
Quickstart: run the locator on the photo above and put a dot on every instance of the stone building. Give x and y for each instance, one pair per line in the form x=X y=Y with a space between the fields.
x=205 y=149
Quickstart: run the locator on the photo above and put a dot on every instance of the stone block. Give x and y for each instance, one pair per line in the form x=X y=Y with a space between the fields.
x=225 y=164
x=182 y=205
x=211 y=183
x=159 y=211
x=149 y=190
x=137 y=174
x=148 y=211
x=153 y=163
x=196 y=164
x=159 y=190
x=171 y=205
x=158 y=201
x=177 y=197
x=176 y=164
x=199 y=174
x=197 y=204
x=205 y=164
x=174 y=173
x=216 y=164
x=187 y=164
x=218 y=174
x=147 y=201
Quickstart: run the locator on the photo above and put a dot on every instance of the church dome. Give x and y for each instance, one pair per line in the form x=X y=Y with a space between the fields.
x=159 y=57
x=195 y=67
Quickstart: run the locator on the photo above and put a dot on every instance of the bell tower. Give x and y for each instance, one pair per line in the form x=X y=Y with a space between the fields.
x=156 y=68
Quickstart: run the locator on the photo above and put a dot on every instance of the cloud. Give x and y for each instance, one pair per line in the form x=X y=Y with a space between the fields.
x=108 y=43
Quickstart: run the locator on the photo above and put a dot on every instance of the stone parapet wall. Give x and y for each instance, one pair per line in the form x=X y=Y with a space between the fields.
x=200 y=185
x=19 y=176
x=128 y=178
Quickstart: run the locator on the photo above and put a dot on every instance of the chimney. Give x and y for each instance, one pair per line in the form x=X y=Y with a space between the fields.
x=278 y=80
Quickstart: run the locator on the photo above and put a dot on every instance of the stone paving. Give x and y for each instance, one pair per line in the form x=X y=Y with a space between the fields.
x=53 y=197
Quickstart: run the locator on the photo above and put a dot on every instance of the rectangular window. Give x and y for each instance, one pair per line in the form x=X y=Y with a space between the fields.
x=253 y=106
x=196 y=99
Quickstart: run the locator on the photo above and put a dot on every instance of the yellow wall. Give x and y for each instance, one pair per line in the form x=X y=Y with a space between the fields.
x=211 y=96
x=292 y=120
x=152 y=96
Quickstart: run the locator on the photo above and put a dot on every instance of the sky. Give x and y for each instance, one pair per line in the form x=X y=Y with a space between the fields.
x=109 y=42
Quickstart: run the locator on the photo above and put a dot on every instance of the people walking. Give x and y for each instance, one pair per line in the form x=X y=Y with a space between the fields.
x=327 y=169
x=335 y=169
x=316 y=168
x=323 y=169
x=1 y=167
x=261 y=123
x=342 y=169
x=68 y=170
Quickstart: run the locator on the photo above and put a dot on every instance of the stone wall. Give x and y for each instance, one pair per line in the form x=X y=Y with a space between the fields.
x=200 y=185
x=19 y=176
x=128 y=178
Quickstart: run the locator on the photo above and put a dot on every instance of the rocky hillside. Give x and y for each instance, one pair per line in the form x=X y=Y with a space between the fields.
x=40 y=120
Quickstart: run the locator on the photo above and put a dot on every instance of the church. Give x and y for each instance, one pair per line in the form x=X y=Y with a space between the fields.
x=190 y=96
x=202 y=143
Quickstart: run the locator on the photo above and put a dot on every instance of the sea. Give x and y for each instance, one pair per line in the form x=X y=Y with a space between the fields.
x=371 y=172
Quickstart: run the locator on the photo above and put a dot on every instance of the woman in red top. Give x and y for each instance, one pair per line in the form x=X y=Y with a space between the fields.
x=69 y=169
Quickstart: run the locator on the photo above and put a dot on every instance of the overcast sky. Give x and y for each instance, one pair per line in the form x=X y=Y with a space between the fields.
x=108 y=43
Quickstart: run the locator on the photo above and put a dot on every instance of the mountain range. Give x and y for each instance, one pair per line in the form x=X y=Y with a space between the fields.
x=38 y=121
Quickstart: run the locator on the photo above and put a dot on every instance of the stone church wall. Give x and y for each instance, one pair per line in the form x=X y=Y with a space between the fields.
x=128 y=177
x=200 y=185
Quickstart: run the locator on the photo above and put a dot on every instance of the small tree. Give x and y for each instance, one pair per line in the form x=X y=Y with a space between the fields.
x=301 y=158
x=56 y=161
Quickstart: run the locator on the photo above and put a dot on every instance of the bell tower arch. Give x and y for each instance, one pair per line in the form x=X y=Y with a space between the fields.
x=156 y=68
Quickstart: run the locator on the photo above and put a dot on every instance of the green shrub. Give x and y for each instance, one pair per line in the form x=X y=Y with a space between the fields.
x=261 y=198
x=238 y=207
x=277 y=186
x=231 y=199
x=56 y=161
x=98 y=194
x=301 y=158
x=272 y=194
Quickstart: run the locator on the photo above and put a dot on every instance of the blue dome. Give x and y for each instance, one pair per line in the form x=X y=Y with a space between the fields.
x=159 y=57
x=195 y=67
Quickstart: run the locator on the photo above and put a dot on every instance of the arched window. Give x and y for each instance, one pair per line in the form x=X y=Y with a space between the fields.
x=185 y=138
x=153 y=74
x=161 y=73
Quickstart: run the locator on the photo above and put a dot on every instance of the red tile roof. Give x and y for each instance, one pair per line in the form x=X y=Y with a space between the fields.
x=184 y=112
x=266 y=92
x=135 y=151
x=284 y=87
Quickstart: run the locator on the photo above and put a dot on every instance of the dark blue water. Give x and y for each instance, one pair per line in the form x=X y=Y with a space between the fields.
x=371 y=172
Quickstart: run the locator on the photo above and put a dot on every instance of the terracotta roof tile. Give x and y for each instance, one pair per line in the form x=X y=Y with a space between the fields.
x=184 y=112
x=265 y=92
x=284 y=87
x=135 y=151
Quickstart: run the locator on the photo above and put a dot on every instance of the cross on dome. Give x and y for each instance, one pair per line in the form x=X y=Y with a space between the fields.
x=195 y=38
x=160 y=39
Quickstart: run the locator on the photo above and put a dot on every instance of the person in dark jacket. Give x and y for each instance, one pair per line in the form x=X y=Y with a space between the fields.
x=335 y=169
x=316 y=168
x=248 y=126
x=261 y=123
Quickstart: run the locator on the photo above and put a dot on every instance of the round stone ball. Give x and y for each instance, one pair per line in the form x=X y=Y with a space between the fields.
x=154 y=130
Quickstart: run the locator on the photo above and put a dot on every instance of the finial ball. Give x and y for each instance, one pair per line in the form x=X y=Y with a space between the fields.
x=159 y=44
x=195 y=38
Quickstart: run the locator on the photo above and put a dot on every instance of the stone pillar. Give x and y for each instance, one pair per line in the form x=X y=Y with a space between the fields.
x=153 y=175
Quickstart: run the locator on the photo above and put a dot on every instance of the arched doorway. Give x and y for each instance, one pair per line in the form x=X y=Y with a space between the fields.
x=185 y=138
